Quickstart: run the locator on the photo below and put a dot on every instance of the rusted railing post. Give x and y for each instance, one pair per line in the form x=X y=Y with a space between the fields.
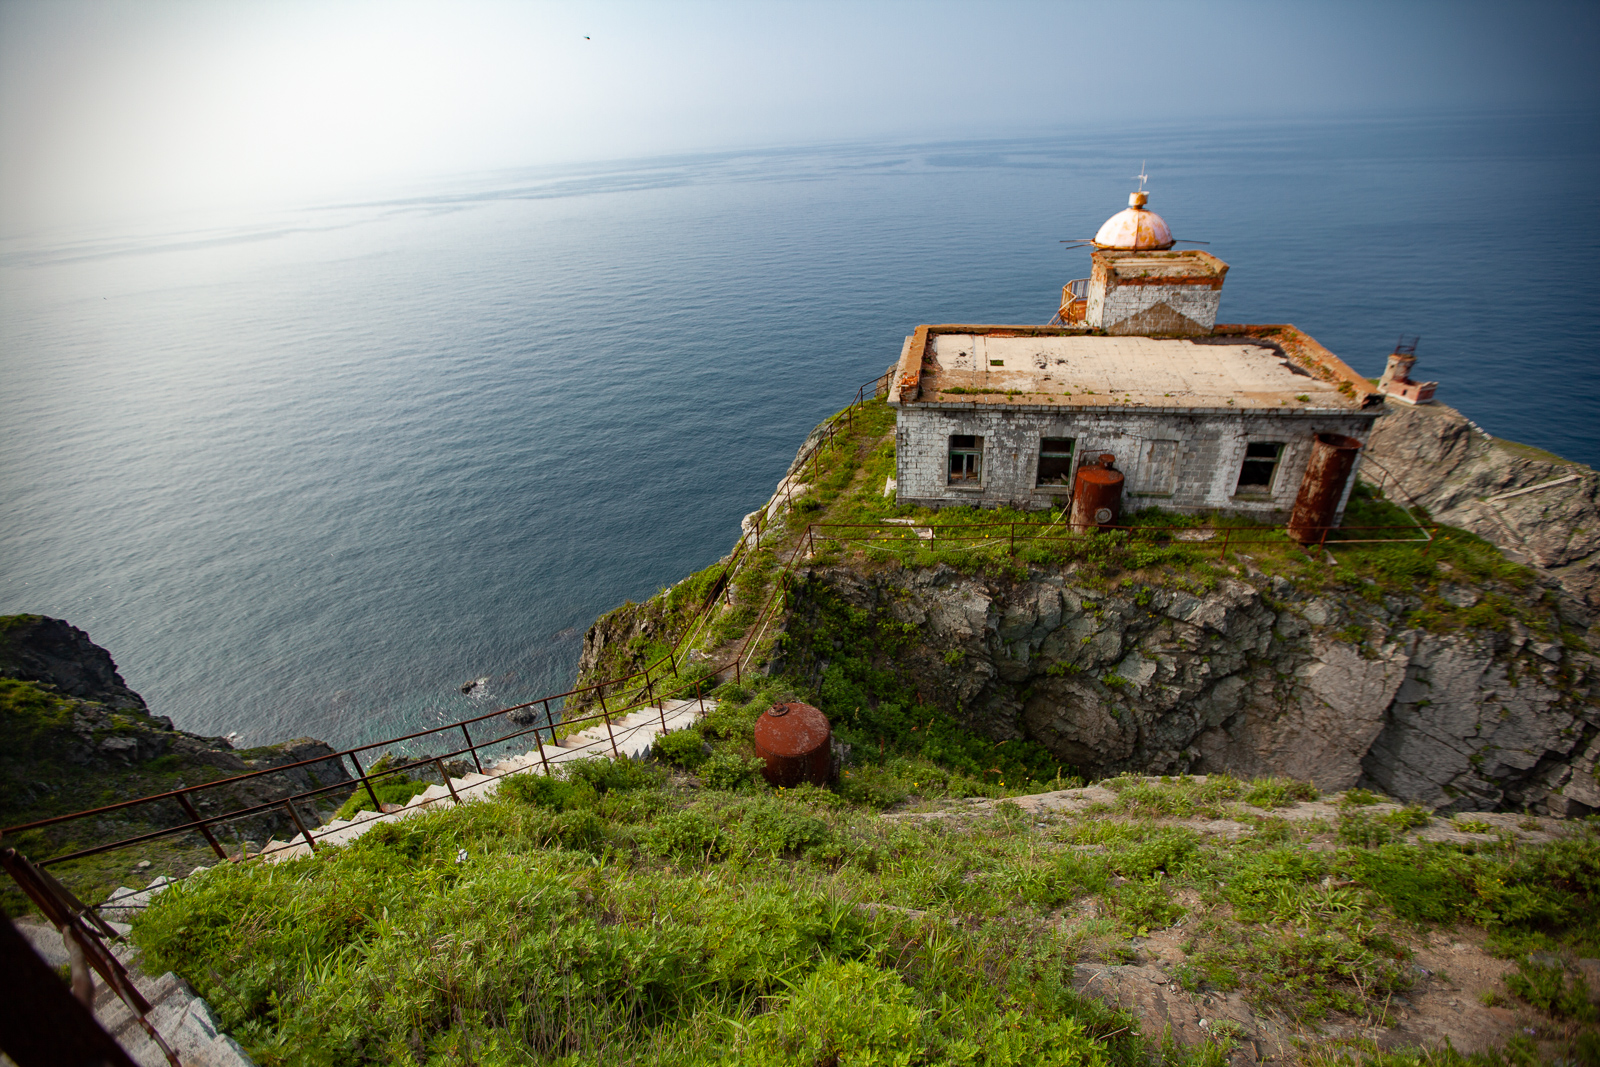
x=476 y=762
x=361 y=774
x=439 y=764
x=1013 y=550
x=194 y=816
x=295 y=815
x=613 y=737
x=538 y=735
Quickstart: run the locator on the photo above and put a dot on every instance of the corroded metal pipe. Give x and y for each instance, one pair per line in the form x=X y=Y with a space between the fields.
x=1333 y=457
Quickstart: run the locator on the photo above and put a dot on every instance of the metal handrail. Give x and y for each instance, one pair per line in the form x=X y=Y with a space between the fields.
x=652 y=693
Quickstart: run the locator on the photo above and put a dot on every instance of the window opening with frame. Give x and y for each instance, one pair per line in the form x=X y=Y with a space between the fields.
x=966 y=459
x=1260 y=467
x=1055 y=461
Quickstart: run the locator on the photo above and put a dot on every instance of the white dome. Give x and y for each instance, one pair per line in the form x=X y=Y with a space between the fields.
x=1134 y=228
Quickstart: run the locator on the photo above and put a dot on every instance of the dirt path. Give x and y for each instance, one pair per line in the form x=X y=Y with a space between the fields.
x=1458 y=996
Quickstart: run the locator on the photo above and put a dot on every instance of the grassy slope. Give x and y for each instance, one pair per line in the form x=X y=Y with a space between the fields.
x=634 y=917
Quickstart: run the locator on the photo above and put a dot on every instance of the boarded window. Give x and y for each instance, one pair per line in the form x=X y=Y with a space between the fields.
x=1260 y=466
x=966 y=459
x=1055 y=461
x=1160 y=474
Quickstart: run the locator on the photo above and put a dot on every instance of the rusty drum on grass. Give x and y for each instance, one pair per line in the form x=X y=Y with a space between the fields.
x=795 y=740
x=1333 y=456
x=1096 y=494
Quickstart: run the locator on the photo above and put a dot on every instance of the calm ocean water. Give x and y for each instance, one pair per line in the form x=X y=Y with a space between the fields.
x=307 y=474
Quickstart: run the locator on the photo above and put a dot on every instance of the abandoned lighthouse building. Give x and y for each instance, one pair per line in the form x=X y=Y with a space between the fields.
x=1194 y=415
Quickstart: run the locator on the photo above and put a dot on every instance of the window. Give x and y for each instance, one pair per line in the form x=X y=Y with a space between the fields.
x=966 y=459
x=1055 y=461
x=1260 y=467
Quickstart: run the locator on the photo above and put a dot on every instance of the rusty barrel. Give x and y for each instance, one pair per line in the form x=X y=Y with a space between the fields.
x=1333 y=456
x=794 y=740
x=1096 y=494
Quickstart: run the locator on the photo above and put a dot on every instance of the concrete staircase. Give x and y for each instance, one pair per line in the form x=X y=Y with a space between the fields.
x=178 y=1014
x=185 y=1021
x=633 y=733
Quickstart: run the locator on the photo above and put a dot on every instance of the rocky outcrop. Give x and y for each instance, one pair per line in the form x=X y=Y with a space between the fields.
x=73 y=730
x=1537 y=507
x=36 y=648
x=1250 y=677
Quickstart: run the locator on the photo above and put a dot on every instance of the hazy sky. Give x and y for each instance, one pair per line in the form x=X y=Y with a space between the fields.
x=109 y=107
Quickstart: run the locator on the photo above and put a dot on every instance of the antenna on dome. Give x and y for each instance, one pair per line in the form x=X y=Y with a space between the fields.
x=1142 y=176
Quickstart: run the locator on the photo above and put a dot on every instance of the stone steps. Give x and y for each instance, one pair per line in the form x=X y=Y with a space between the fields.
x=185 y=1021
x=632 y=734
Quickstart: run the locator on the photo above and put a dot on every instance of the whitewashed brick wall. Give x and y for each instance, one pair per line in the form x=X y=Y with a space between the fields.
x=1209 y=451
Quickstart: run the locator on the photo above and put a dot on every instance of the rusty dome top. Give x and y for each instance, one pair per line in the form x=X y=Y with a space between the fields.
x=1135 y=228
x=791 y=729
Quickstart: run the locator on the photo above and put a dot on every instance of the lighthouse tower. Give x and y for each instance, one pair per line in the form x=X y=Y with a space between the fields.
x=1139 y=285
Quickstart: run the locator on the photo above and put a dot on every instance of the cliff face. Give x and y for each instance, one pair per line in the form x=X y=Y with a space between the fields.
x=49 y=651
x=1440 y=674
x=1250 y=677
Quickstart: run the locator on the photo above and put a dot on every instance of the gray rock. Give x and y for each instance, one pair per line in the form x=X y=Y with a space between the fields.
x=1164 y=680
x=1464 y=479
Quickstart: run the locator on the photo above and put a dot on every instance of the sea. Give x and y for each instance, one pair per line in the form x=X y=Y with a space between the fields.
x=307 y=472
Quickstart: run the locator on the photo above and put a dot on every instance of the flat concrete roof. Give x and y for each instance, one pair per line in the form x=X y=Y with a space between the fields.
x=1238 y=367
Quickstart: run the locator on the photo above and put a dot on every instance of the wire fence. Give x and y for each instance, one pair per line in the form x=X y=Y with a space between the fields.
x=1016 y=536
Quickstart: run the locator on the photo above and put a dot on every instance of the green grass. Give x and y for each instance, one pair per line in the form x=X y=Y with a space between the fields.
x=642 y=923
x=624 y=915
x=30 y=715
x=396 y=789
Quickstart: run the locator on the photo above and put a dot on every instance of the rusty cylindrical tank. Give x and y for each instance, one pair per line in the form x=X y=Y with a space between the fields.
x=1096 y=494
x=1333 y=456
x=795 y=741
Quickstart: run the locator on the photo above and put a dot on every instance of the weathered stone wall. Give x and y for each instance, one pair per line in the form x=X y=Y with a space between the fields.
x=1176 y=459
x=1153 y=310
x=1251 y=678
